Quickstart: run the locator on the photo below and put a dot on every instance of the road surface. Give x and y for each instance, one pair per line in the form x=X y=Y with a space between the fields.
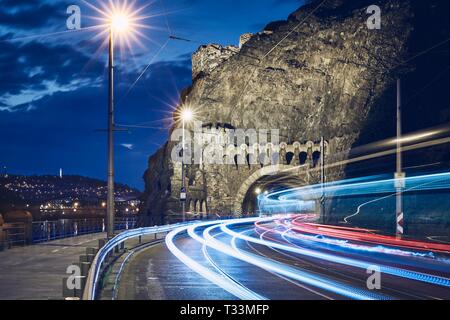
x=287 y=258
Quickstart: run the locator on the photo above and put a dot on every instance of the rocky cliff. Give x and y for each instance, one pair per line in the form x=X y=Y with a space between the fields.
x=322 y=72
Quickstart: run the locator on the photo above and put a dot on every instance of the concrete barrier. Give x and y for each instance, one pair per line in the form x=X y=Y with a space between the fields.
x=85 y=262
x=87 y=258
x=91 y=251
x=101 y=243
x=84 y=268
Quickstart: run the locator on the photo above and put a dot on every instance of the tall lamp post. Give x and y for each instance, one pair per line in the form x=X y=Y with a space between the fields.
x=399 y=175
x=118 y=23
x=186 y=116
x=322 y=179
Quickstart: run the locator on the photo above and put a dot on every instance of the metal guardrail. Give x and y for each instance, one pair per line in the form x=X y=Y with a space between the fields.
x=15 y=233
x=94 y=275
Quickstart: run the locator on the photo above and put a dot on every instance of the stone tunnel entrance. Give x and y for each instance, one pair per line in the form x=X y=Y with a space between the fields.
x=270 y=179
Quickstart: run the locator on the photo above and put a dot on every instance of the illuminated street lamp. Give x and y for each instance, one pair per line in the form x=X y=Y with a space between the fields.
x=258 y=191
x=119 y=23
x=186 y=115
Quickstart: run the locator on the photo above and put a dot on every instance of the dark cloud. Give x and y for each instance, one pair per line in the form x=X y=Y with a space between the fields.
x=31 y=14
x=35 y=66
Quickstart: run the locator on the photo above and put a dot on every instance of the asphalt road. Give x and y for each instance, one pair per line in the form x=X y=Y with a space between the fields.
x=158 y=274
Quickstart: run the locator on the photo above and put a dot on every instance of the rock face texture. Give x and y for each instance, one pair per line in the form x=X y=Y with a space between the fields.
x=322 y=72
x=209 y=57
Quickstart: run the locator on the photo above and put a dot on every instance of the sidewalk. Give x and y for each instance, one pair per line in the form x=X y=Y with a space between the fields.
x=36 y=272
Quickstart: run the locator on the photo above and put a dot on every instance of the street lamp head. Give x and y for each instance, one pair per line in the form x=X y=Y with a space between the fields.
x=187 y=115
x=120 y=22
x=258 y=191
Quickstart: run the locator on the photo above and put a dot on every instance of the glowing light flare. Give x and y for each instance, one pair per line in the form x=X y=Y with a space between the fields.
x=187 y=114
x=120 y=22
x=122 y=19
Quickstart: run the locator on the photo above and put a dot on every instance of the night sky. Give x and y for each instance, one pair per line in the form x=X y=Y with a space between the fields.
x=53 y=88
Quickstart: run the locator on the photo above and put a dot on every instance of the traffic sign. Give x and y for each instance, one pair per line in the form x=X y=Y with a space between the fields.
x=183 y=194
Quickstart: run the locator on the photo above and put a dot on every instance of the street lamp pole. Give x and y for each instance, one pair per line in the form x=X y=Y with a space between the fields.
x=183 y=186
x=322 y=179
x=186 y=115
x=110 y=210
x=399 y=175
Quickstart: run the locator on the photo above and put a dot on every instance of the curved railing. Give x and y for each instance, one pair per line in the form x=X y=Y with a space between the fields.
x=94 y=275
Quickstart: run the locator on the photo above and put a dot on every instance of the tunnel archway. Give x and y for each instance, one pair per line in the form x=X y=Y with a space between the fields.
x=315 y=158
x=268 y=178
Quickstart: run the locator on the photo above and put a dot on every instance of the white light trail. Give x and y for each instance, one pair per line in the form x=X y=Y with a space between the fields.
x=221 y=281
x=408 y=274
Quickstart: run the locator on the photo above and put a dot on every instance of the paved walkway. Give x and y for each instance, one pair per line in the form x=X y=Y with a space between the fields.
x=36 y=272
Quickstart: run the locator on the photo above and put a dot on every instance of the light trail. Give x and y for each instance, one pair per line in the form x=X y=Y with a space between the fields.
x=296 y=283
x=403 y=273
x=422 y=260
x=221 y=281
x=347 y=188
x=314 y=280
x=369 y=237
x=291 y=233
x=340 y=274
x=223 y=237
x=293 y=273
x=416 y=187
x=216 y=266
